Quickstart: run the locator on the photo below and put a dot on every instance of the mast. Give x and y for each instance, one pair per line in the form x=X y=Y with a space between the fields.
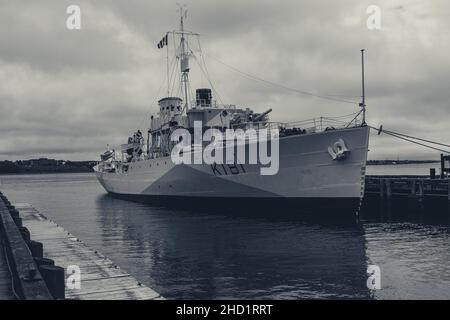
x=167 y=68
x=363 y=96
x=184 y=59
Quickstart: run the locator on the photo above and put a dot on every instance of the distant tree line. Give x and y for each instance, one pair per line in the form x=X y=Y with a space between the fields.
x=44 y=165
x=385 y=162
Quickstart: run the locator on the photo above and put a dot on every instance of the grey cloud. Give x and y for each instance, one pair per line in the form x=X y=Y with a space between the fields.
x=69 y=93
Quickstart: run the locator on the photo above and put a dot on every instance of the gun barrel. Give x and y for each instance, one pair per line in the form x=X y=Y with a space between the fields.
x=262 y=115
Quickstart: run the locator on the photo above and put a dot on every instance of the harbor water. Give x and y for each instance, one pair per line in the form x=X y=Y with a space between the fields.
x=209 y=255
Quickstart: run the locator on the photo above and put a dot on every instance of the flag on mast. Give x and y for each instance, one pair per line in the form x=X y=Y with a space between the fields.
x=163 y=42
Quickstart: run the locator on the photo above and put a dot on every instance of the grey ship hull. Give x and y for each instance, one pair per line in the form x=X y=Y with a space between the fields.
x=308 y=178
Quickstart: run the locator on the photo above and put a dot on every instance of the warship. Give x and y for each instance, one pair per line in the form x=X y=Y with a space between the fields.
x=321 y=162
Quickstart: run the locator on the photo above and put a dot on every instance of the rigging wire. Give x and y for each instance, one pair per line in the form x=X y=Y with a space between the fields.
x=341 y=117
x=255 y=78
x=208 y=77
x=172 y=75
x=209 y=81
x=415 y=138
x=148 y=111
x=411 y=139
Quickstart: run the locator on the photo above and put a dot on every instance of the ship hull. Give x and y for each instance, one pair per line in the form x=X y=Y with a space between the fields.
x=308 y=178
x=337 y=208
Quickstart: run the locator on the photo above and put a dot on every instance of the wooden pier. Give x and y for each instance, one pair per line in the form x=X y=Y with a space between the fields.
x=408 y=195
x=39 y=260
x=411 y=186
x=100 y=277
x=21 y=277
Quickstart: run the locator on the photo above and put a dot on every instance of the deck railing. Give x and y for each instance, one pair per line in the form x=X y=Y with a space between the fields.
x=307 y=126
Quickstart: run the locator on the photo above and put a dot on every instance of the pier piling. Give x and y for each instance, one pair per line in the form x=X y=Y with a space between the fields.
x=54 y=278
x=421 y=195
x=44 y=262
x=36 y=248
x=99 y=277
x=25 y=279
x=38 y=278
x=25 y=233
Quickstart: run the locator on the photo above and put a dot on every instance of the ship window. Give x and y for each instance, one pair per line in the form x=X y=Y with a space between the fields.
x=178 y=108
x=172 y=108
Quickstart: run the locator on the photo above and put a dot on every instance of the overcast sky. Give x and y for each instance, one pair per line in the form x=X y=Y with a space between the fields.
x=67 y=93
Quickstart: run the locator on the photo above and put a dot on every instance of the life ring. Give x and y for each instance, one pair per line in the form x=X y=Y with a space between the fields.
x=339 y=150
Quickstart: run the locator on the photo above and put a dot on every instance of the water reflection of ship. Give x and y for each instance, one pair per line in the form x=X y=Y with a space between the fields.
x=188 y=255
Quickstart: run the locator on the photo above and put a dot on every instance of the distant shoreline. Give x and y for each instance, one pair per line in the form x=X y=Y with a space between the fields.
x=397 y=162
x=43 y=172
x=83 y=167
x=44 y=165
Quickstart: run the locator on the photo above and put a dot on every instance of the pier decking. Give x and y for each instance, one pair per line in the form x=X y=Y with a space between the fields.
x=412 y=186
x=419 y=197
x=100 y=277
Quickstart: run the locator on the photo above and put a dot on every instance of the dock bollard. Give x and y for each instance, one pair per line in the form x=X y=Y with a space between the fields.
x=17 y=221
x=44 y=262
x=432 y=173
x=25 y=233
x=54 y=279
x=36 y=248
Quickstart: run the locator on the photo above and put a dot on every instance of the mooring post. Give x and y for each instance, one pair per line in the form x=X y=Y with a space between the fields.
x=36 y=248
x=448 y=189
x=54 y=278
x=413 y=188
x=388 y=188
x=421 y=203
x=44 y=262
x=381 y=188
x=413 y=201
x=25 y=233
x=382 y=197
x=448 y=197
x=18 y=221
x=432 y=173
x=388 y=198
x=421 y=190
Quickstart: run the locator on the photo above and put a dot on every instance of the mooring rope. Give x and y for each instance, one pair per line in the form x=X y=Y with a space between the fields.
x=411 y=139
